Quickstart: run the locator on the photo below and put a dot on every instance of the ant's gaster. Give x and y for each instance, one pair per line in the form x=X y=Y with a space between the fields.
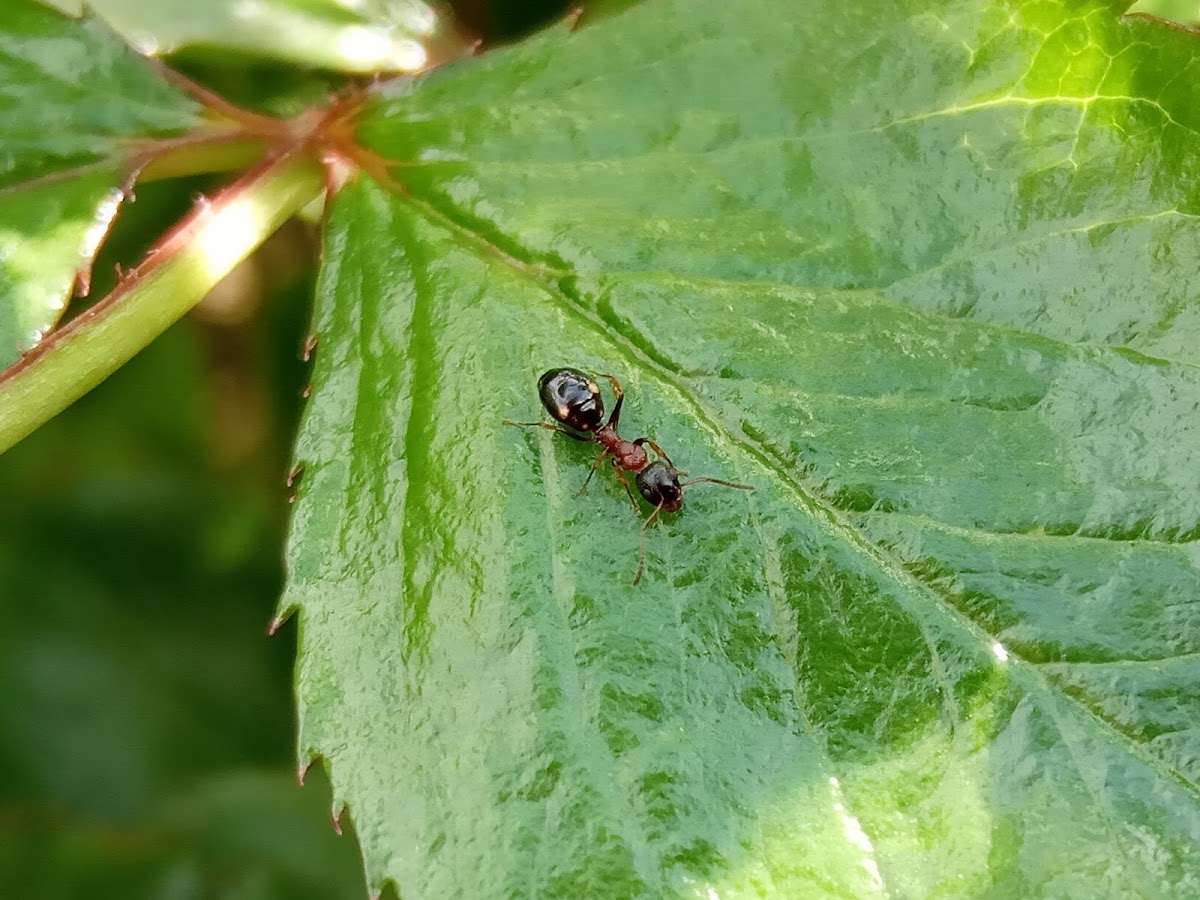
x=573 y=400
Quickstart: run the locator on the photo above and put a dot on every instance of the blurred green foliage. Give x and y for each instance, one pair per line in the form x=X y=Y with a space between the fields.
x=146 y=725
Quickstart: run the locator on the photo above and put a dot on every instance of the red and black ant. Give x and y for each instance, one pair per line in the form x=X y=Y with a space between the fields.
x=573 y=400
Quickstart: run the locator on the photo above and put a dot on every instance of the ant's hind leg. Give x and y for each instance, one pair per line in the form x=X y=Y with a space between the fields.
x=545 y=425
x=619 y=393
x=549 y=427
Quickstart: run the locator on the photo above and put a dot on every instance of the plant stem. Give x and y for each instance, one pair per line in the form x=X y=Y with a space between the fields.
x=199 y=252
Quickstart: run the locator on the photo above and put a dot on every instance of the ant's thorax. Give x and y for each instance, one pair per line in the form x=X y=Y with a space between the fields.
x=629 y=456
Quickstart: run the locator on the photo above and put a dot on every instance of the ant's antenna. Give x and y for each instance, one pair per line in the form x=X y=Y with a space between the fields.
x=740 y=487
x=642 y=542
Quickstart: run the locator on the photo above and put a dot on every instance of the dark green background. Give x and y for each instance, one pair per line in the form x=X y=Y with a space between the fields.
x=146 y=719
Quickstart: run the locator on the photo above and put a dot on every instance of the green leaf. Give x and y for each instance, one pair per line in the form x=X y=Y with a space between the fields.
x=75 y=103
x=49 y=235
x=984 y=160
x=920 y=278
x=345 y=35
x=1185 y=12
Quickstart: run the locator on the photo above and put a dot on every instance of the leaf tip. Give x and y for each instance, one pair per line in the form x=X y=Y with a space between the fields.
x=280 y=618
x=302 y=769
x=335 y=813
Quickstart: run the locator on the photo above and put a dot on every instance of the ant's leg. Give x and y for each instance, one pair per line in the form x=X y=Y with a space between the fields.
x=657 y=449
x=545 y=425
x=637 y=510
x=615 y=418
x=549 y=427
x=642 y=545
x=599 y=459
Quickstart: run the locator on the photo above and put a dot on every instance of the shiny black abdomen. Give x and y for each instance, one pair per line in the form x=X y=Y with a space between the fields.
x=659 y=484
x=572 y=398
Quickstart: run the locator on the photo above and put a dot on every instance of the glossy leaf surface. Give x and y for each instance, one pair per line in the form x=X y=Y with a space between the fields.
x=921 y=279
x=74 y=102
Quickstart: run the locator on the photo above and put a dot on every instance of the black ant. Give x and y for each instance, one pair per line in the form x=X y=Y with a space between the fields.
x=573 y=400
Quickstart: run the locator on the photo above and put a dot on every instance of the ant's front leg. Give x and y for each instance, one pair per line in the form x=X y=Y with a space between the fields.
x=657 y=449
x=599 y=459
x=642 y=544
x=637 y=510
x=615 y=418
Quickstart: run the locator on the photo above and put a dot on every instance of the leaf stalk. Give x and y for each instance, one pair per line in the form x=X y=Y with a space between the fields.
x=202 y=249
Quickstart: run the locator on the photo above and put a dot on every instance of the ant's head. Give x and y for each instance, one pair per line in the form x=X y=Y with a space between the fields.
x=659 y=484
x=572 y=399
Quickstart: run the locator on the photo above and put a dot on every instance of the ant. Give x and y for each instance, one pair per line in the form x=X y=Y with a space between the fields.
x=573 y=400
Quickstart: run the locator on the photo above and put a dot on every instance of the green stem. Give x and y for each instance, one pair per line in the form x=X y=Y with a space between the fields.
x=202 y=250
